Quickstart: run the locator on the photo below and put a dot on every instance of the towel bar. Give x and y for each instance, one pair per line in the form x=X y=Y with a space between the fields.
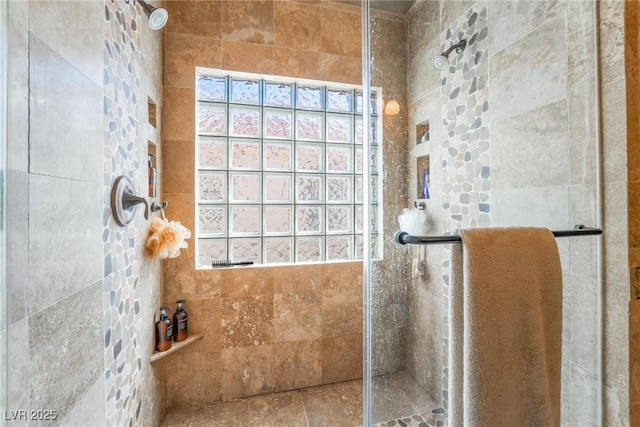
x=404 y=238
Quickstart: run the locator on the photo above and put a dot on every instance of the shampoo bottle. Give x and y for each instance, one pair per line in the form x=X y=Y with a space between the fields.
x=164 y=330
x=425 y=184
x=180 y=322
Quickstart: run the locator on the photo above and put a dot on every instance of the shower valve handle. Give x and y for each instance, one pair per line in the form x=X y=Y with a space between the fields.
x=129 y=200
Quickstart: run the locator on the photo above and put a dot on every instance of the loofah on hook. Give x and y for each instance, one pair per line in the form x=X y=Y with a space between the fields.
x=166 y=238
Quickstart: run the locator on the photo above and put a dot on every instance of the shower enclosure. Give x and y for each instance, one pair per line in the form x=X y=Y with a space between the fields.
x=503 y=133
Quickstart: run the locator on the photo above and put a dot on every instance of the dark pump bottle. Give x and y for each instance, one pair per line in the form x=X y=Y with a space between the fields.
x=180 y=322
x=164 y=330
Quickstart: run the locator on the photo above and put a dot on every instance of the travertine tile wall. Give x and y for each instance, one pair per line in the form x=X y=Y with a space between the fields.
x=57 y=267
x=265 y=328
x=425 y=303
x=617 y=162
x=632 y=56
x=389 y=276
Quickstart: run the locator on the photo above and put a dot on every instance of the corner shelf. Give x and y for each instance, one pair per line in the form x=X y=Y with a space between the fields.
x=176 y=346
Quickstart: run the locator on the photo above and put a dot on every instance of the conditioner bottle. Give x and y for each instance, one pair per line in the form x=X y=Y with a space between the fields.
x=164 y=330
x=180 y=322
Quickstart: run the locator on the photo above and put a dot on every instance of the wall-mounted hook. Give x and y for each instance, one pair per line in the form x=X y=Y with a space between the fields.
x=421 y=206
x=156 y=207
x=124 y=200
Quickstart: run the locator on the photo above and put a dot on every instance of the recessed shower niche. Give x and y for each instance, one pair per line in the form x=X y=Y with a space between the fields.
x=422 y=161
x=422 y=178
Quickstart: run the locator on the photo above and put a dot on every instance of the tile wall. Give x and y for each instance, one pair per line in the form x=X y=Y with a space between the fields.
x=60 y=243
x=265 y=328
x=389 y=277
x=632 y=54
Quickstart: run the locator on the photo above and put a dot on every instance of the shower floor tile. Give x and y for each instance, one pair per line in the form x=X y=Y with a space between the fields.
x=333 y=405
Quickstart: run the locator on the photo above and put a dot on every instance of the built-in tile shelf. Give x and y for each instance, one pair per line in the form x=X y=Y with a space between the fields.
x=176 y=346
x=152 y=134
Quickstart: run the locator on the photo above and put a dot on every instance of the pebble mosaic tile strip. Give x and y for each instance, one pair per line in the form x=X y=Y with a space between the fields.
x=122 y=352
x=436 y=418
x=465 y=144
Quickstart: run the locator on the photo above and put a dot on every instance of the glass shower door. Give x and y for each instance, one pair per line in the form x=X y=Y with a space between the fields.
x=503 y=135
x=3 y=144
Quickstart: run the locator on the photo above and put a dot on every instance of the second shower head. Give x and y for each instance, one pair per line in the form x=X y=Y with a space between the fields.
x=157 y=16
x=441 y=62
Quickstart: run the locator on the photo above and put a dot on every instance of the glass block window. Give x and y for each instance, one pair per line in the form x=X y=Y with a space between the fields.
x=280 y=169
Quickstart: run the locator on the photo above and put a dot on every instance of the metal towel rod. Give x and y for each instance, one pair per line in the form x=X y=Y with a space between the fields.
x=404 y=238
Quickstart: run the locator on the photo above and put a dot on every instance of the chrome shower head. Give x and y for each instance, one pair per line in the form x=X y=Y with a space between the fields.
x=441 y=62
x=157 y=16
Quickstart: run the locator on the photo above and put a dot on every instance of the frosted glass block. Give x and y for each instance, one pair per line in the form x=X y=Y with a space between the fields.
x=358 y=126
x=310 y=98
x=373 y=213
x=244 y=250
x=309 y=189
x=339 y=247
x=339 y=219
x=278 y=156
x=374 y=104
x=309 y=219
x=374 y=189
x=373 y=160
x=358 y=102
x=375 y=246
x=278 y=249
x=245 y=121
x=212 y=119
x=278 y=124
x=245 y=91
x=245 y=154
x=359 y=219
x=339 y=100
x=309 y=249
x=339 y=158
x=278 y=94
x=339 y=189
x=212 y=186
x=359 y=247
x=359 y=156
x=212 y=220
x=309 y=157
x=212 y=88
x=245 y=187
x=278 y=219
x=339 y=128
x=212 y=153
x=278 y=188
x=373 y=132
x=211 y=249
x=359 y=189
x=309 y=126
x=244 y=220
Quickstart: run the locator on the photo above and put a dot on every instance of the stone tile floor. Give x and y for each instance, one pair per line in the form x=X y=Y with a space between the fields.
x=398 y=400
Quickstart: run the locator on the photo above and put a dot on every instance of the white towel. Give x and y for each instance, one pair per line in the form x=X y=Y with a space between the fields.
x=505 y=335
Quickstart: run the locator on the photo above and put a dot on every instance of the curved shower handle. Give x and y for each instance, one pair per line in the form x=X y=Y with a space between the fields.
x=124 y=200
x=129 y=200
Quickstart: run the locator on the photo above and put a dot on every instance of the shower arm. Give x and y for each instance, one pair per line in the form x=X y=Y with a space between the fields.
x=459 y=48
